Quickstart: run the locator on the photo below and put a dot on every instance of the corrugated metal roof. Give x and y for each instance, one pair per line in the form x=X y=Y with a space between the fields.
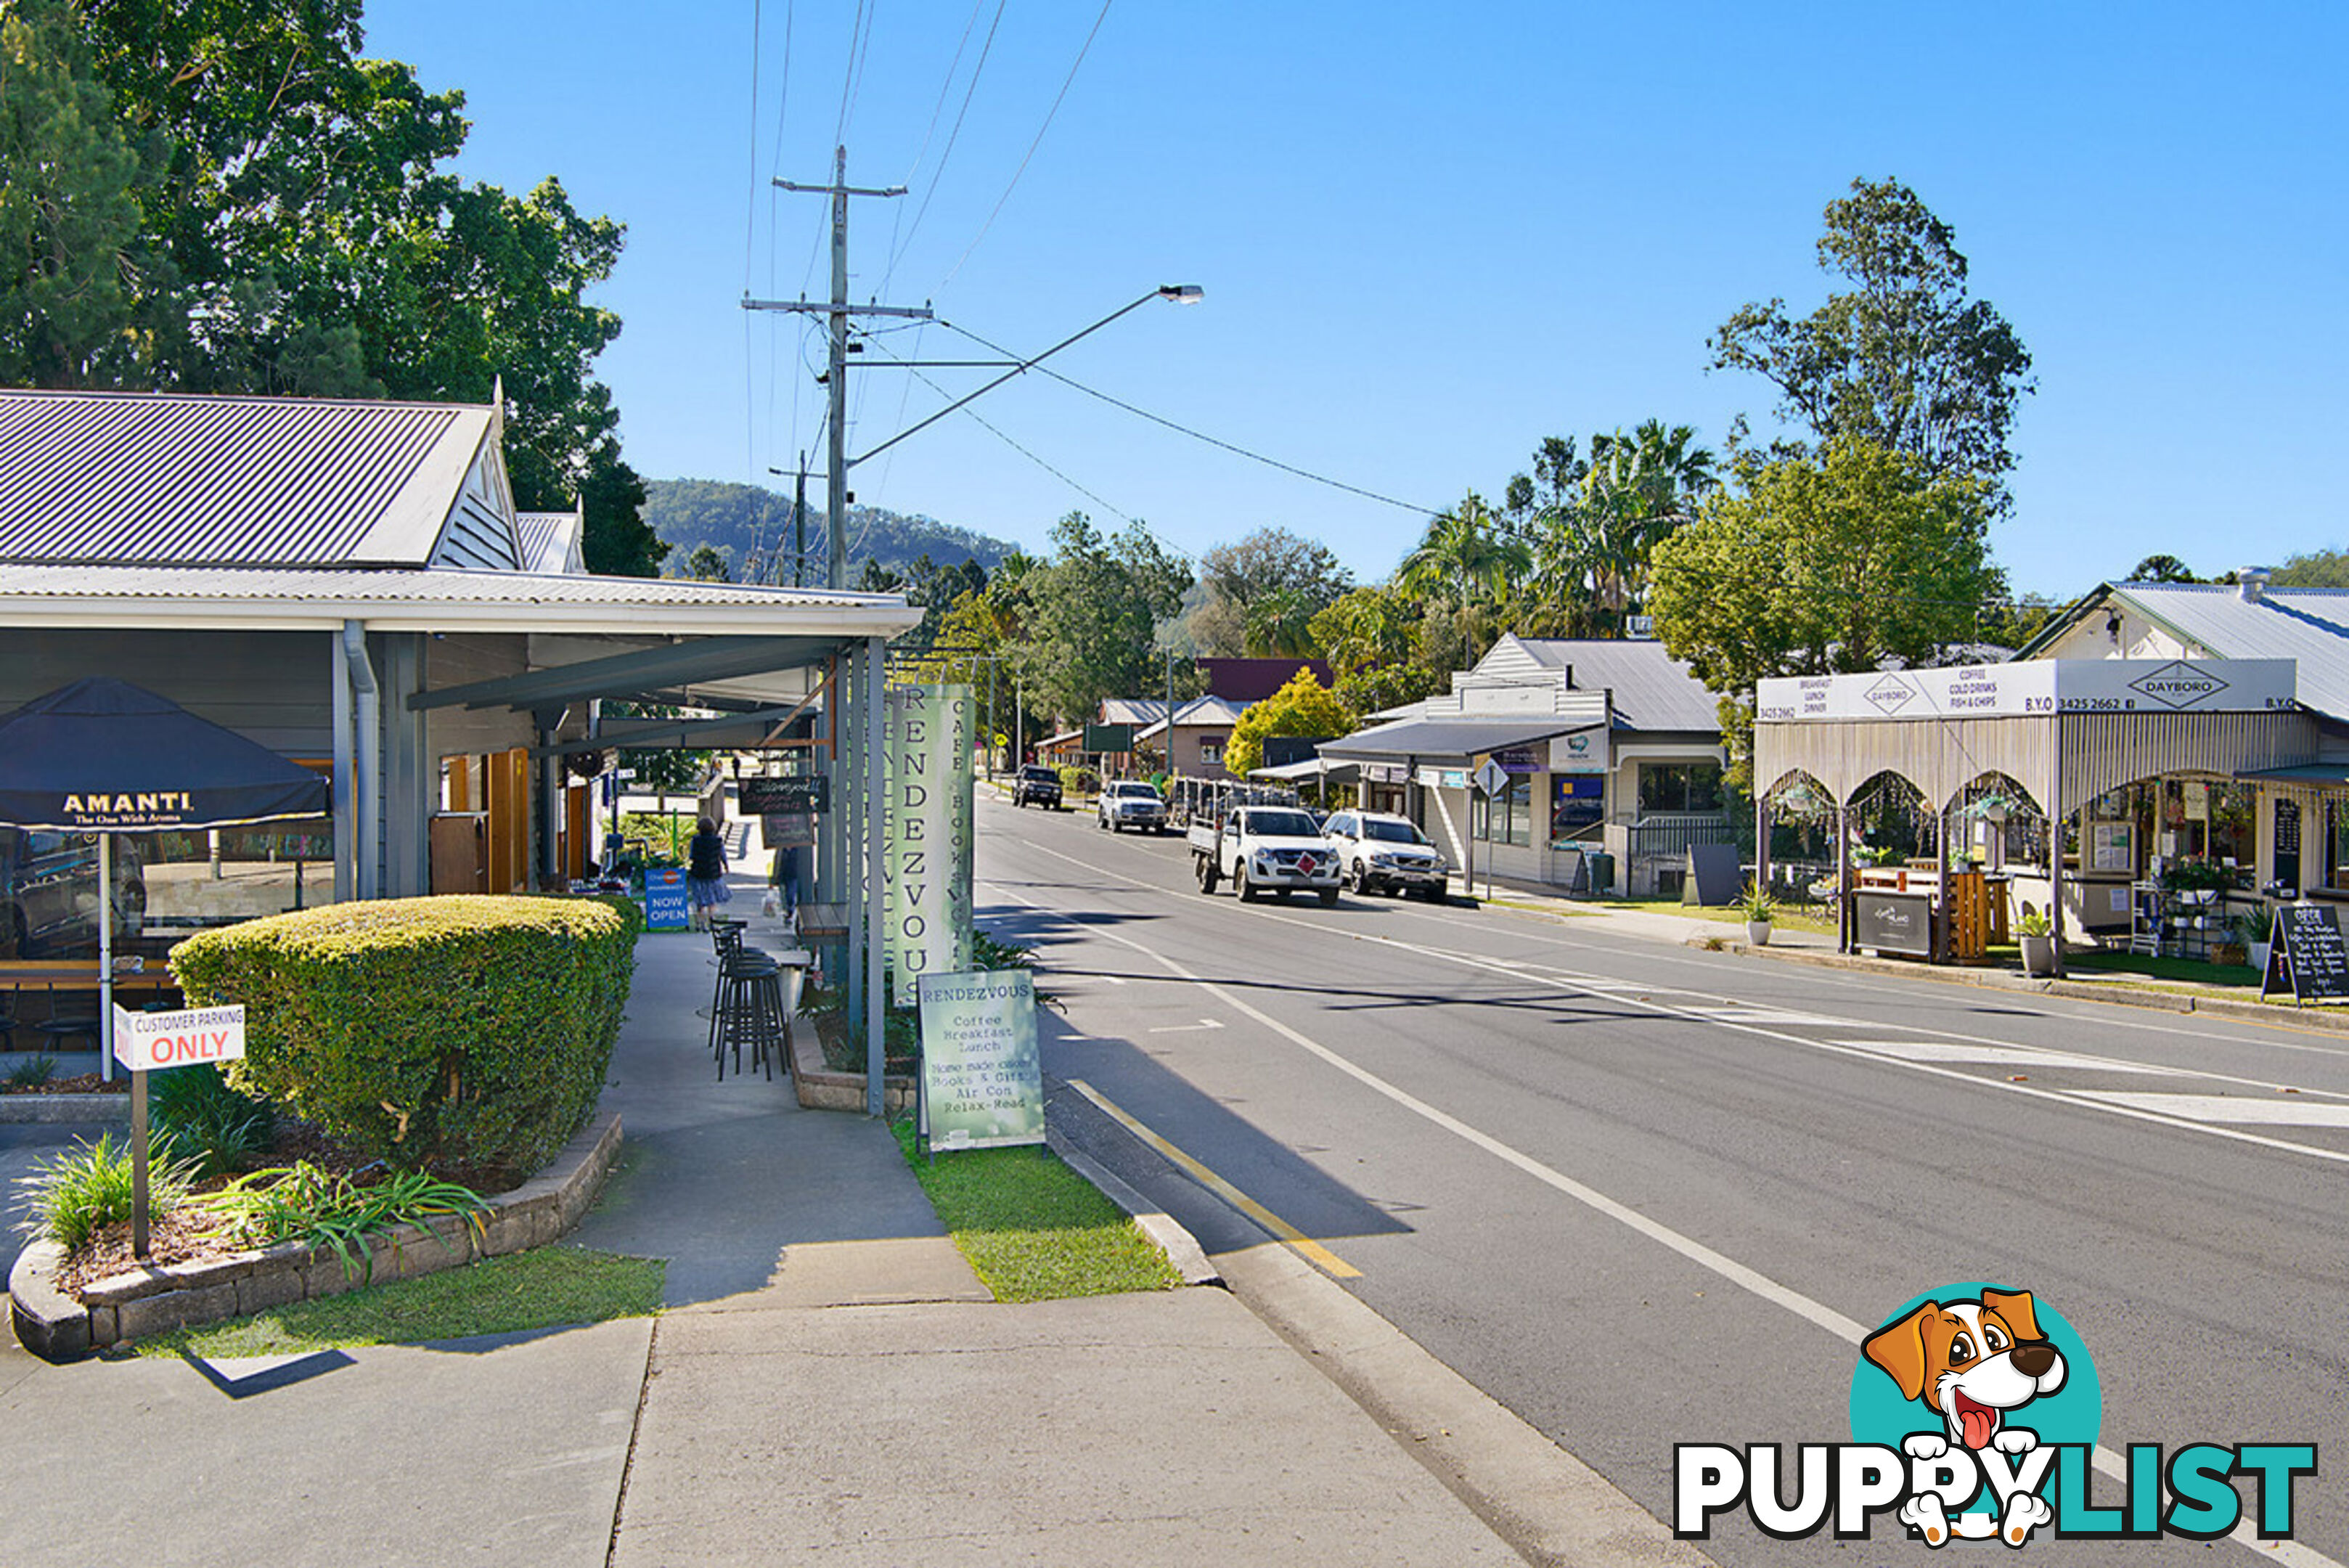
x=1198 y=710
x=550 y=541
x=1653 y=690
x=2308 y=625
x=444 y=585
x=154 y=478
x=1438 y=741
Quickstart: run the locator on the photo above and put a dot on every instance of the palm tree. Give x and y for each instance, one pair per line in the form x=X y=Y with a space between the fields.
x=1465 y=558
x=1280 y=624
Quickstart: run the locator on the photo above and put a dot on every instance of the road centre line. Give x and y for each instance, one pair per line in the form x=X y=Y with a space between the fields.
x=2291 y=1554
x=1304 y=1246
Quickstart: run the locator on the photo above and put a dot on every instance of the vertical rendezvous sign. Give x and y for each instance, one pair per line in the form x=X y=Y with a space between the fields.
x=982 y=1078
x=926 y=926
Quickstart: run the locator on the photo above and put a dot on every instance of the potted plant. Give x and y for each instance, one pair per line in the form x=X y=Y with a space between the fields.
x=2037 y=936
x=2255 y=928
x=1759 y=911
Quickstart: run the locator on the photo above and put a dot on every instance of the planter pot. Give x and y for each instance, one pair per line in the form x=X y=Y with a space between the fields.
x=2259 y=956
x=2038 y=954
x=1758 y=932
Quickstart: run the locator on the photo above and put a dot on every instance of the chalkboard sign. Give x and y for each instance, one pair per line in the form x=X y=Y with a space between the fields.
x=2308 y=957
x=2287 y=842
x=765 y=797
x=1713 y=877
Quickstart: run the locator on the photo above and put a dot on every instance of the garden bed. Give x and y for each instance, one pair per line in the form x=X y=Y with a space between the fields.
x=59 y=1321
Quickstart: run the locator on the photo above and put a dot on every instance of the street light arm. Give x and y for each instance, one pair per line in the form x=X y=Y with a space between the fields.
x=1182 y=294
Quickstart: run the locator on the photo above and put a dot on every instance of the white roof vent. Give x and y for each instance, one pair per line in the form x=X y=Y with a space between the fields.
x=2252 y=583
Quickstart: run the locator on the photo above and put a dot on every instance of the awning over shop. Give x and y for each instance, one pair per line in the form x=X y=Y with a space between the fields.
x=1452 y=742
x=1309 y=768
x=2301 y=774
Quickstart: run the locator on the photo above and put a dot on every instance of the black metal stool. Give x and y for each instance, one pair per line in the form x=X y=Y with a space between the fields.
x=57 y=1028
x=749 y=1012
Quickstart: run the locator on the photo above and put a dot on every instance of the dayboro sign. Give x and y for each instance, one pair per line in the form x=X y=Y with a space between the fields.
x=2035 y=687
x=926 y=924
x=982 y=1077
x=144 y=1042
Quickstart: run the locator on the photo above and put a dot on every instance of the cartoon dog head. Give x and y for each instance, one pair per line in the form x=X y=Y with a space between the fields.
x=1970 y=1361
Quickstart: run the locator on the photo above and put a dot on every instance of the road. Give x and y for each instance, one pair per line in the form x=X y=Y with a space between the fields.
x=1644 y=1195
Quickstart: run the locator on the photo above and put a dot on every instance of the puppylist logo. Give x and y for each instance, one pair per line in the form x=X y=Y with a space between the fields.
x=1974 y=1417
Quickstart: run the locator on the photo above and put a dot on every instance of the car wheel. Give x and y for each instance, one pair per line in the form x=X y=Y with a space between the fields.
x=1433 y=895
x=1208 y=877
x=1328 y=898
x=1240 y=884
x=1355 y=879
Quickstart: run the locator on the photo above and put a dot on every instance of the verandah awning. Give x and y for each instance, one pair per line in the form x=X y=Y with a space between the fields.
x=1452 y=742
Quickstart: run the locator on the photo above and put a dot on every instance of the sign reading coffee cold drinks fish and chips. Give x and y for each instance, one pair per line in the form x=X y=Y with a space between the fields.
x=2042 y=686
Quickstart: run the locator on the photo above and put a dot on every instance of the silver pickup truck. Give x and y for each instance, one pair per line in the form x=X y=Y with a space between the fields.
x=1264 y=848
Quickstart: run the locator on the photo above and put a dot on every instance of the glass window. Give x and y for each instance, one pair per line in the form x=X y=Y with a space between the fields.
x=1211 y=749
x=1578 y=807
x=1506 y=817
x=1394 y=833
x=2337 y=838
x=1679 y=787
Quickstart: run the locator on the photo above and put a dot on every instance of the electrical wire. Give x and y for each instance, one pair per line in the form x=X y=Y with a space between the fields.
x=937 y=112
x=1066 y=83
x=1201 y=435
x=863 y=55
x=938 y=174
x=848 y=78
x=749 y=262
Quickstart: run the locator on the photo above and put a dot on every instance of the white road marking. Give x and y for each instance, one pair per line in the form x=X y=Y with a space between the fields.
x=2108 y=1462
x=1958 y=1050
x=1185 y=1028
x=2284 y=1110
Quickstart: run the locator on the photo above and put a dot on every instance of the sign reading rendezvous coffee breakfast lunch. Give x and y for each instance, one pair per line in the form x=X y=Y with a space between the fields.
x=2034 y=687
x=926 y=871
x=982 y=1076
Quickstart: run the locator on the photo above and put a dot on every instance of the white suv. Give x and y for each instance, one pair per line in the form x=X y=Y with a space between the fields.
x=1377 y=852
x=1130 y=803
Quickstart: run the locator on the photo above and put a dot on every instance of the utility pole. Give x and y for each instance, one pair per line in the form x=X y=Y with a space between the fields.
x=839 y=310
x=1168 y=734
x=799 y=524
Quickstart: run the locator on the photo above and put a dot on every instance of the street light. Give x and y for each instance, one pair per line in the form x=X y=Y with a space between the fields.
x=1179 y=293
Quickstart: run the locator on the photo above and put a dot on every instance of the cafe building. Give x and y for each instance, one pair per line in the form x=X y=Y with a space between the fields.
x=2163 y=760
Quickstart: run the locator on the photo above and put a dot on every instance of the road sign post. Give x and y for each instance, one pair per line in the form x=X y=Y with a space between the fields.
x=1492 y=779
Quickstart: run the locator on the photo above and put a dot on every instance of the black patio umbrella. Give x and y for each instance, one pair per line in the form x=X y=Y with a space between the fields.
x=103 y=756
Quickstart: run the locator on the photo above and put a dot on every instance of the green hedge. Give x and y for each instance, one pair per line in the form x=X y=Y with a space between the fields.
x=469 y=1030
x=1078 y=779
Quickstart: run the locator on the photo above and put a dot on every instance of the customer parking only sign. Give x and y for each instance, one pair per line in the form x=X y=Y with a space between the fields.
x=144 y=1042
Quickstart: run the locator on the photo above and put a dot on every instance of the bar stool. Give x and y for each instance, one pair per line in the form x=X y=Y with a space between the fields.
x=725 y=941
x=749 y=1012
x=57 y=1027
x=8 y=1020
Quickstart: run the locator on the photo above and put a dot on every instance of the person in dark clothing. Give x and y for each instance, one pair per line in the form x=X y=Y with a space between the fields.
x=704 y=872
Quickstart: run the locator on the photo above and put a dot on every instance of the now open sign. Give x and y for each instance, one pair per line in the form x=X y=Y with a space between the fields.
x=144 y=1042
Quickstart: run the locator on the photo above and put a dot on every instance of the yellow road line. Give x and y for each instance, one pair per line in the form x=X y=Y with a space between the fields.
x=1311 y=1251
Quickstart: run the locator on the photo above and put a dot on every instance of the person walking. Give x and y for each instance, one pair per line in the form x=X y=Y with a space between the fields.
x=705 y=873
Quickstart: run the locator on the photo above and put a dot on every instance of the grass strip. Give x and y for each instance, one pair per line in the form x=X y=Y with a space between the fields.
x=2217 y=977
x=1032 y=1229
x=548 y=1287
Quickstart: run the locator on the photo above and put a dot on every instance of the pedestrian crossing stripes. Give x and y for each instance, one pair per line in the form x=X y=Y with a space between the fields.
x=1962 y=1053
x=2243 y=1110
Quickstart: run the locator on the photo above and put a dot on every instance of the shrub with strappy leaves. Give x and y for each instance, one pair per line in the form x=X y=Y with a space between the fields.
x=69 y=1195
x=467 y=1029
x=334 y=1213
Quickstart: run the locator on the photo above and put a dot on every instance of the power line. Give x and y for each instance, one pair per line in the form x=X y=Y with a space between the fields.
x=750 y=261
x=939 y=173
x=1201 y=435
x=937 y=110
x=1068 y=81
x=848 y=79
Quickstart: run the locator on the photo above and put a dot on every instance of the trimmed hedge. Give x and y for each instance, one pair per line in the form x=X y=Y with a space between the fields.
x=468 y=1028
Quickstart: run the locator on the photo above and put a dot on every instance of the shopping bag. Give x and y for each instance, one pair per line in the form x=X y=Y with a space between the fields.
x=771 y=905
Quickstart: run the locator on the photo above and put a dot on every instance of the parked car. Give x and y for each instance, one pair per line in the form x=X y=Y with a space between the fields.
x=48 y=892
x=1130 y=803
x=1265 y=847
x=1387 y=853
x=1037 y=785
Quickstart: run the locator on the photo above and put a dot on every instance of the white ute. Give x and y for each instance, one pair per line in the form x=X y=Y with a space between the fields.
x=1262 y=849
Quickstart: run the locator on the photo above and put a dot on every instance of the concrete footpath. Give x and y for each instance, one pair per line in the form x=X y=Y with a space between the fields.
x=829 y=1381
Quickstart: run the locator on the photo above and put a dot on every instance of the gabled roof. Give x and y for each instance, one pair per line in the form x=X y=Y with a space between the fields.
x=160 y=478
x=1151 y=712
x=2309 y=626
x=1651 y=690
x=550 y=542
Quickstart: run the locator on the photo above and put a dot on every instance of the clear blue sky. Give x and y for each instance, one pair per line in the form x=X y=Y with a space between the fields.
x=1432 y=236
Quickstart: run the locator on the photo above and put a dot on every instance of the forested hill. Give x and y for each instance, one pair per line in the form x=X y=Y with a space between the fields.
x=733 y=519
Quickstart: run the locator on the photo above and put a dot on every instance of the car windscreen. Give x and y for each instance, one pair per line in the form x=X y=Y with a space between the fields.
x=1138 y=791
x=1042 y=776
x=1394 y=833
x=1282 y=825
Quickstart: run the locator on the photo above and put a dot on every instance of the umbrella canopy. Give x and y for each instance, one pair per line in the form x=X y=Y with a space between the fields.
x=103 y=755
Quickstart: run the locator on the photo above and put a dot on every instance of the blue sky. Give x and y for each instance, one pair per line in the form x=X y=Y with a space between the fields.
x=1431 y=236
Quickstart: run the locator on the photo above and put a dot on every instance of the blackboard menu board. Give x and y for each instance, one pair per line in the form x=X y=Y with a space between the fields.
x=762 y=797
x=1893 y=922
x=2287 y=842
x=2308 y=958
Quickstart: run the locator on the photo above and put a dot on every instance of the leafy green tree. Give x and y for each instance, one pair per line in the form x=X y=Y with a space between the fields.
x=79 y=285
x=1260 y=590
x=1091 y=616
x=1371 y=640
x=1904 y=359
x=707 y=565
x=2161 y=569
x=1464 y=559
x=2314 y=569
x=1302 y=707
x=1818 y=565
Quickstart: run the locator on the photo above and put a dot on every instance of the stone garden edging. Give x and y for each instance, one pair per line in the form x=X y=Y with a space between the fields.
x=822 y=1089
x=59 y=1327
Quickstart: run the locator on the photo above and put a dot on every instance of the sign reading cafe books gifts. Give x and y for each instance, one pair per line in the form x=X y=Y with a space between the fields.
x=926 y=869
x=982 y=1077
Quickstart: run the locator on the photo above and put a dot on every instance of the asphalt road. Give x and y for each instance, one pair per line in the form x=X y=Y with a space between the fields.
x=1643 y=1195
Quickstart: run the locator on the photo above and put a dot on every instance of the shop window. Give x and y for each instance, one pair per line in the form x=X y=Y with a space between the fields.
x=1578 y=807
x=1506 y=817
x=2336 y=843
x=1211 y=749
x=1694 y=787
